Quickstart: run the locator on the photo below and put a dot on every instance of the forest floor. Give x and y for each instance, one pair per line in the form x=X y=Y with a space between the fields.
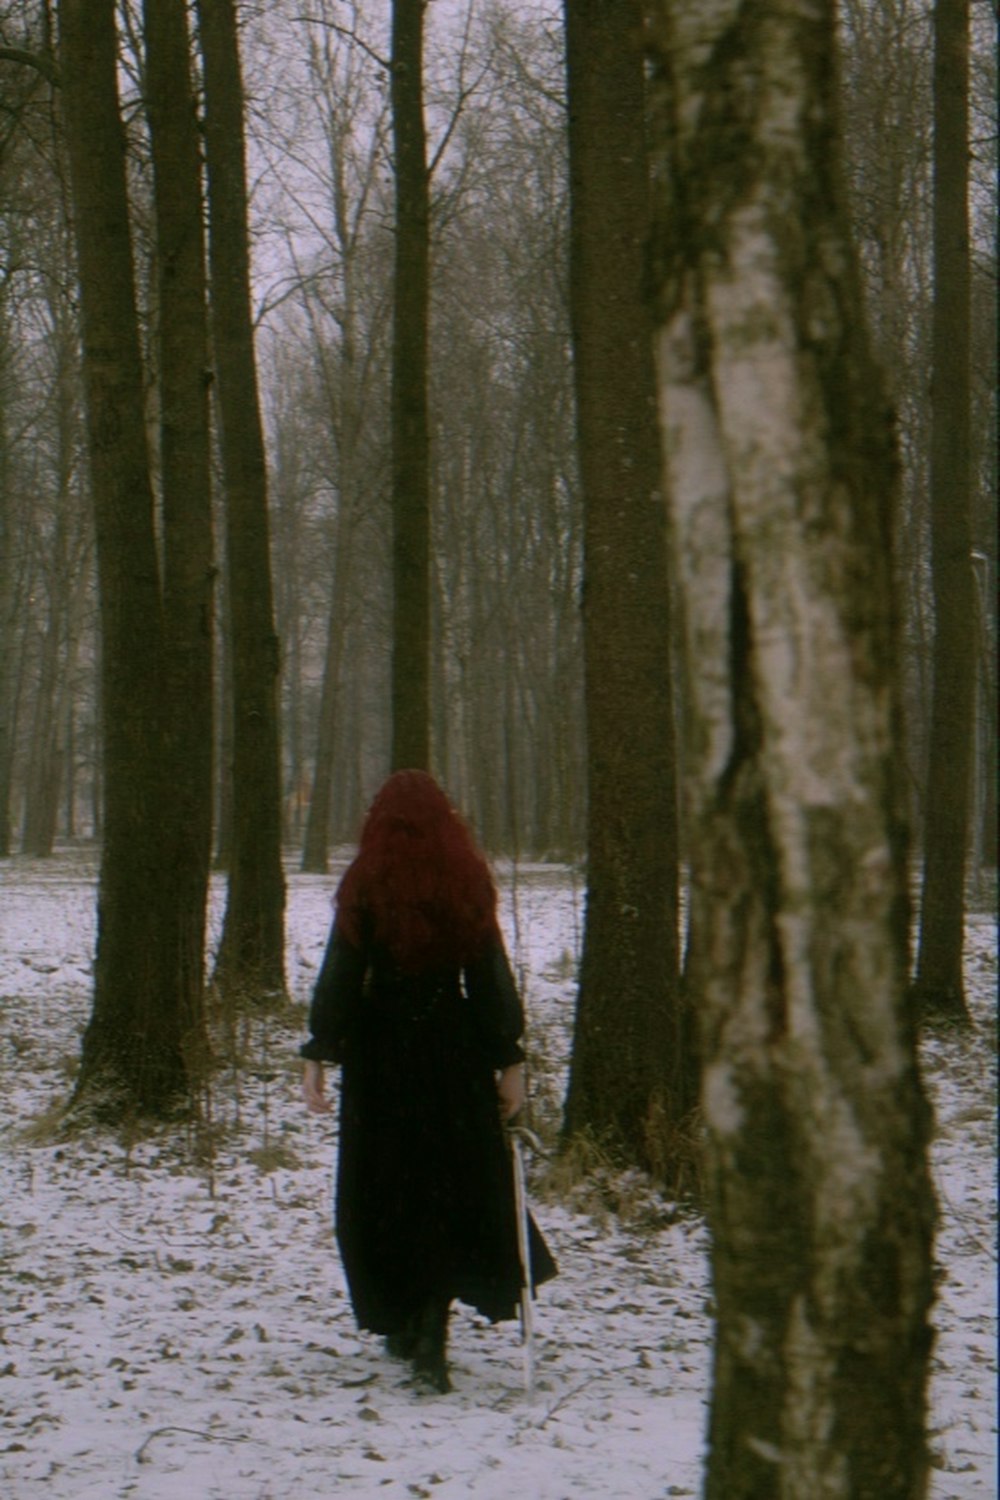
x=173 y=1319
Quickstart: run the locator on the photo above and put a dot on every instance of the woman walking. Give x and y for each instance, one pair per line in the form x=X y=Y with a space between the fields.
x=416 y=1000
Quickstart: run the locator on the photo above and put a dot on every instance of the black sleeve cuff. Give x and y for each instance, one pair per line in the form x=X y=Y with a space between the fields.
x=316 y=1051
x=507 y=1054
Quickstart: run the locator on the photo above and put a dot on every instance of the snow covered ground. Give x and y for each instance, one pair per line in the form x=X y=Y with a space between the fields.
x=173 y=1321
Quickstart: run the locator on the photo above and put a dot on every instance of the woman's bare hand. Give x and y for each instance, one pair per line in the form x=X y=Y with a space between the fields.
x=312 y=1089
x=510 y=1090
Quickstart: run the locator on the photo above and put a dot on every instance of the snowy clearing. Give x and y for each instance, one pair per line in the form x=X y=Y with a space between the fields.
x=174 y=1324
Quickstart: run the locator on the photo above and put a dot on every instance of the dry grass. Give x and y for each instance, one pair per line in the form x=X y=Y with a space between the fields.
x=588 y=1177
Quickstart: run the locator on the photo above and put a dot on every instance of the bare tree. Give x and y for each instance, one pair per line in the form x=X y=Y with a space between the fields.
x=7 y=575
x=250 y=961
x=505 y=700
x=630 y=1080
x=885 y=89
x=939 y=985
x=46 y=538
x=142 y=1041
x=507 y=537
x=184 y=473
x=63 y=537
x=781 y=475
x=410 y=425
x=347 y=366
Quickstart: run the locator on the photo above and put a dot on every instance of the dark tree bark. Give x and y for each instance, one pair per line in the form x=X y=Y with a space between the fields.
x=939 y=986
x=781 y=477
x=137 y=1044
x=410 y=426
x=250 y=962
x=316 y=845
x=43 y=776
x=185 y=474
x=631 y=1075
x=224 y=741
x=7 y=595
x=27 y=77
x=344 y=391
x=45 y=761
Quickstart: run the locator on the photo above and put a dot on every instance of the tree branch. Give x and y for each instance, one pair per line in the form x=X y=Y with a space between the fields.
x=352 y=36
x=37 y=60
x=460 y=103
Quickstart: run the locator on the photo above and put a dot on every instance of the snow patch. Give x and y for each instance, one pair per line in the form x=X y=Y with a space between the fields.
x=173 y=1330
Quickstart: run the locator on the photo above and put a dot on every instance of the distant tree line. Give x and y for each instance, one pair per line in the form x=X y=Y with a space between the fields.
x=505 y=650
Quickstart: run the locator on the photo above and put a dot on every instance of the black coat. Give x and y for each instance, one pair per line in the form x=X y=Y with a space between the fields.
x=425 y=1196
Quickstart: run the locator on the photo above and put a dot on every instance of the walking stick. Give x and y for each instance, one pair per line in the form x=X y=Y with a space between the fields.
x=524 y=1250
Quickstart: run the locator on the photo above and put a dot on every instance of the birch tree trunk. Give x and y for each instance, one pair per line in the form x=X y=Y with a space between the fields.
x=781 y=472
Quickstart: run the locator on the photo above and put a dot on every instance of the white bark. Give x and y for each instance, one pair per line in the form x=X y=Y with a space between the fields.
x=774 y=473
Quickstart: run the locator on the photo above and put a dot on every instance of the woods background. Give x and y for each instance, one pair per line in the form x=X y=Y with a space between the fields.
x=506 y=685
x=332 y=343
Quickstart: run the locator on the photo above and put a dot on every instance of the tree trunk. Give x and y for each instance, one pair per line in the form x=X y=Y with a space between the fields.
x=224 y=742
x=939 y=986
x=345 y=396
x=250 y=962
x=185 y=476
x=410 y=429
x=69 y=761
x=41 y=788
x=135 y=1047
x=316 y=845
x=15 y=715
x=8 y=601
x=630 y=1078
x=41 y=799
x=781 y=474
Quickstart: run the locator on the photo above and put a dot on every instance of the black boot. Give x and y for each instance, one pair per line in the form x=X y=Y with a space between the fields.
x=399 y=1344
x=402 y=1341
x=428 y=1357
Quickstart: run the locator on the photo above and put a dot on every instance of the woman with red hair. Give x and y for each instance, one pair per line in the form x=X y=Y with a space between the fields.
x=416 y=1001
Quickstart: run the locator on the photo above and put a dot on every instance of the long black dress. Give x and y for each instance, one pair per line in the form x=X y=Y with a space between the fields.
x=425 y=1197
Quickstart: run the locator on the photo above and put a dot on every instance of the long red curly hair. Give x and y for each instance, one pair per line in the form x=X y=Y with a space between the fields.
x=418 y=878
